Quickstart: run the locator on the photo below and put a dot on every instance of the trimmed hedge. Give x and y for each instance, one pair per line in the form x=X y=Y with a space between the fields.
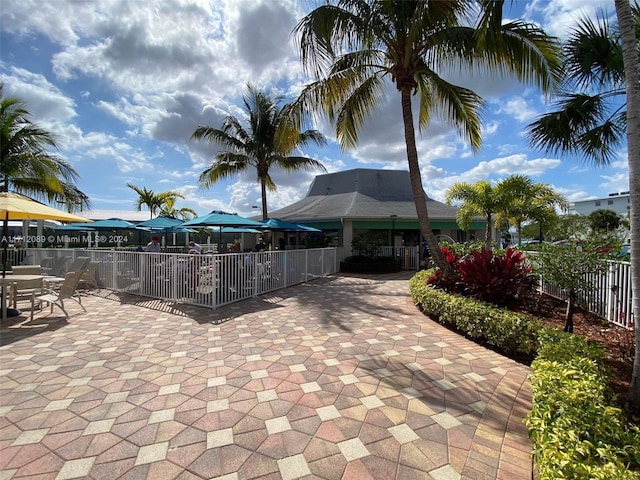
x=575 y=430
x=515 y=333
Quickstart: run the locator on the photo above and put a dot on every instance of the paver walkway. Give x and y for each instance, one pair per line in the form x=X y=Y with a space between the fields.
x=338 y=378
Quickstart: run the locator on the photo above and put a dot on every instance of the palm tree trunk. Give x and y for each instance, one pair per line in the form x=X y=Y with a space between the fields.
x=263 y=192
x=487 y=234
x=419 y=196
x=632 y=79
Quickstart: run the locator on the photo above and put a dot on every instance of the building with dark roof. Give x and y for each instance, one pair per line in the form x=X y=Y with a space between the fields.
x=357 y=201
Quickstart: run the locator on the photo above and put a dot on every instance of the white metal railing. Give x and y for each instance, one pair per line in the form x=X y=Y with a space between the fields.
x=610 y=297
x=204 y=280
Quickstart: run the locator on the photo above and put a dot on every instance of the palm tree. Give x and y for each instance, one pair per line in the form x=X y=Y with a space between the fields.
x=628 y=25
x=477 y=199
x=257 y=145
x=153 y=201
x=169 y=209
x=354 y=45
x=590 y=118
x=26 y=164
x=521 y=199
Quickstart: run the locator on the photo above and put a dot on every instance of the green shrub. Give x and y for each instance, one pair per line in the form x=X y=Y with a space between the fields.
x=513 y=332
x=576 y=432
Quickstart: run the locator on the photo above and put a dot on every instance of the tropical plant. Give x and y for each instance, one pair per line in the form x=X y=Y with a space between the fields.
x=169 y=209
x=153 y=201
x=571 y=267
x=502 y=279
x=604 y=220
x=26 y=163
x=590 y=115
x=256 y=144
x=629 y=35
x=354 y=46
x=477 y=199
x=522 y=199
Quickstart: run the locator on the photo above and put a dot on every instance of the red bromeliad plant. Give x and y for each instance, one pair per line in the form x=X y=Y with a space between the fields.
x=503 y=280
x=441 y=280
x=499 y=279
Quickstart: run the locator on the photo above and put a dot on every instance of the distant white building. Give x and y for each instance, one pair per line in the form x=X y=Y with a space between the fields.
x=618 y=202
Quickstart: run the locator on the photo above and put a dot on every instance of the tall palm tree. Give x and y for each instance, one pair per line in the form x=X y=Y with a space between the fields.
x=521 y=199
x=590 y=116
x=477 y=199
x=169 y=209
x=257 y=145
x=26 y=163
x=630 y=36
x=352 y=46
x=153 y=201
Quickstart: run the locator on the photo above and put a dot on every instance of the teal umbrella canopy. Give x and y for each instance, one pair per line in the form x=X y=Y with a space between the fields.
x=108 y=224
x=76 y=226
x=160 y=223
x=222 y=219
x=284 y=226
x=164 y=223
x=240 y=230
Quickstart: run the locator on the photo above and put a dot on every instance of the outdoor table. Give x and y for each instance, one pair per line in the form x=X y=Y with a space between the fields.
x=5 y=282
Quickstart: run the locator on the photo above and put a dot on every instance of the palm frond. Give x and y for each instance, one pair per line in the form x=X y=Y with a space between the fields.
x=458 y=106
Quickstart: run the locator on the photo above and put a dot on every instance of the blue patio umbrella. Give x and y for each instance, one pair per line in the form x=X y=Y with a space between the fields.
x=84 y=227
x=107 y=224
x=240 y=230
x=284 y=226
x=161 y=222
x=165 y=224
x=221 y=219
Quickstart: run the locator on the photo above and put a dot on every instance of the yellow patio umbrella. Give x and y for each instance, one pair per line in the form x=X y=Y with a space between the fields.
x=14 y=206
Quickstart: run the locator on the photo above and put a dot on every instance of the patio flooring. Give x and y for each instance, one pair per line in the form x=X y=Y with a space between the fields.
x=341 y=377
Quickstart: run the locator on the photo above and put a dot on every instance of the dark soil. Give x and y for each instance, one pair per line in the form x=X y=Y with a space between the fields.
x=619 y=342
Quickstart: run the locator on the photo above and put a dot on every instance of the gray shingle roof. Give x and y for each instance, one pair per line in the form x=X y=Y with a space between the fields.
x=361 y=193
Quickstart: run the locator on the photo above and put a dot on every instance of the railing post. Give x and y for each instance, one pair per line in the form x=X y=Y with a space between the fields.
x=610 y=294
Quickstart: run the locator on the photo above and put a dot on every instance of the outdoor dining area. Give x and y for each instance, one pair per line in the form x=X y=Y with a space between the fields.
x=207 y=278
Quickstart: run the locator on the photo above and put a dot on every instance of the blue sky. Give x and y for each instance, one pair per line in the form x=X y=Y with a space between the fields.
x=123 y=84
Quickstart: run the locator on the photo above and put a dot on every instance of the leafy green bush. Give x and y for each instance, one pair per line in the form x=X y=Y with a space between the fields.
x=513 y=332
x=576 y=432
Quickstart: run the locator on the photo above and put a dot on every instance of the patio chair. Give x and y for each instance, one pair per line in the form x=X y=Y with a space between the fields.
x=91 y=277
x=27 y=270
x=80 y=263
x=67 y=291
x=25 y=290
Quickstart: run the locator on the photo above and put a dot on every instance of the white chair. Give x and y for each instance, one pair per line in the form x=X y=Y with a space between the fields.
x=25 y=290
x=26 y=270
x=80 y=263
x=67 y=291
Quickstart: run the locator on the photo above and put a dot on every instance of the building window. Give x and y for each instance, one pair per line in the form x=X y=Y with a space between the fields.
x=597 y=203
x=609 y=202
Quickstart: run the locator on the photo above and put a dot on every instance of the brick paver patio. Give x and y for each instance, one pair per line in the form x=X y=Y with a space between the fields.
x=339 y=378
